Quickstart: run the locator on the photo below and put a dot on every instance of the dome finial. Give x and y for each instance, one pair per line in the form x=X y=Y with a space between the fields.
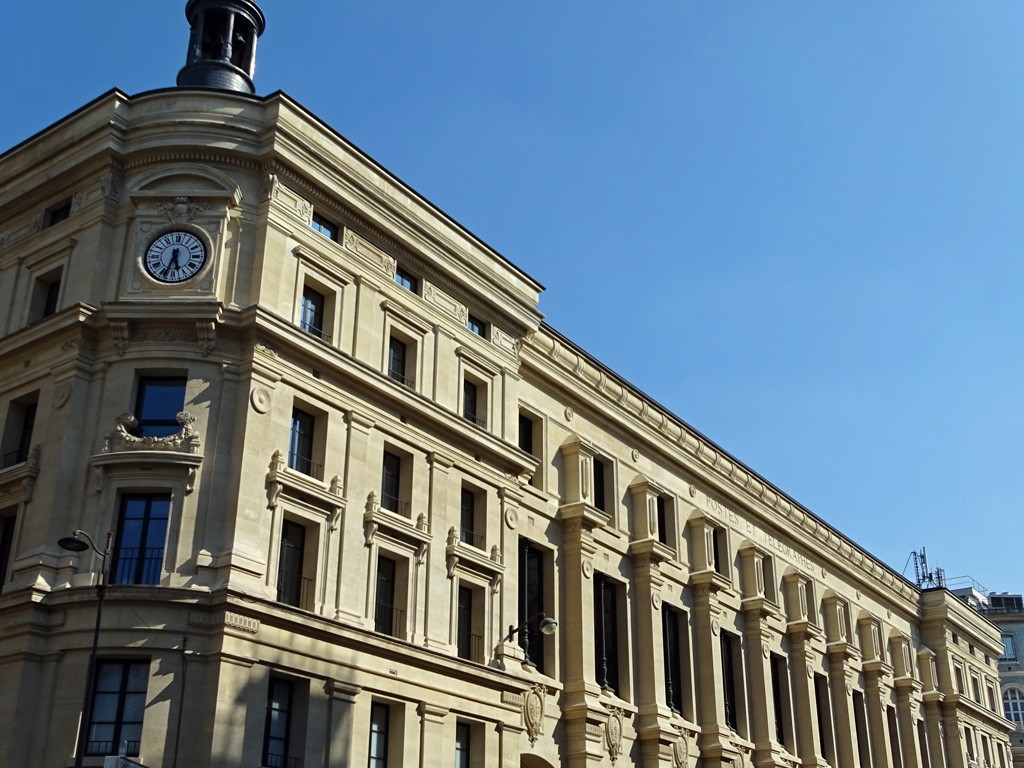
x=222 y=47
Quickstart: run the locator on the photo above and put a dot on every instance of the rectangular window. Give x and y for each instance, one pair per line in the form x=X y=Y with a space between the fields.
x=1009 y=648
x=380 y=720
x=463 y=745
x=141 y=533
x=160 y=400
x=531 y=601
x=780 y=701
x=894 y=739
x=671 y=648
x=472 y=402
x=293 y=588
x=391 y=490
x=118 y=704
x=731 y=670
x=400 y=366
x=45 y=295
x=824 y=709
x=324 y=226
x=606 y=633
x=407 y=280
x=600 y=480
x=311 y=315
x=975 y=688
x=21 y=422
x=389 y=618
x=7 y=519
x=860 y=721
x=300 y=444
x=277 y=728
x=57 y=214
x=476 y=325
x=720 y=551
x=663 y=535
x=530 y=441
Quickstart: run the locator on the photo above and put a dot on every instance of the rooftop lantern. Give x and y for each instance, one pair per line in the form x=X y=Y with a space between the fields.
x=222 y=46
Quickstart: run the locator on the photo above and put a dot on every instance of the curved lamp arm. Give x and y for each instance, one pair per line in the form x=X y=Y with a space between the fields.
x=546 y=625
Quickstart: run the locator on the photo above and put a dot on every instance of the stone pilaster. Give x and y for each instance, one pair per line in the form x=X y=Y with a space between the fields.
x=341 y=719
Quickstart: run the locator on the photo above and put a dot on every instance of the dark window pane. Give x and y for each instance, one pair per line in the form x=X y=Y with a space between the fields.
x=141 y=533
x=300 y=446
x=391 y=486
x=160 y=401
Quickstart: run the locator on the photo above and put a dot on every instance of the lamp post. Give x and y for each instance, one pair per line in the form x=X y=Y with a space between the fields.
x=545 y=625
x=75 y=543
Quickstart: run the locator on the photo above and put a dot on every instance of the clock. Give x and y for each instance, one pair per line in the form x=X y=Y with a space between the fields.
x=175 y=257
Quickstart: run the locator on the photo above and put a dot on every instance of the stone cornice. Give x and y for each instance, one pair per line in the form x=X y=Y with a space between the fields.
x=555 y=357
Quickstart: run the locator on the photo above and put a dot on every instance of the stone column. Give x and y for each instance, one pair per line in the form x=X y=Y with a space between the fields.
x=906 y=716
x=582 y=709
x=842 y=705
x=875 y=695
x=350 y=593
x=439 y=514
x=432 y=741
x=710 y=705
x=340 y=716
x=933 y=729
x=651 y=696
x=759 y=681
x=805 y=709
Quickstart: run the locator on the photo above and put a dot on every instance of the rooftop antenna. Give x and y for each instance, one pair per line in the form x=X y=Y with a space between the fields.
x=923 y=576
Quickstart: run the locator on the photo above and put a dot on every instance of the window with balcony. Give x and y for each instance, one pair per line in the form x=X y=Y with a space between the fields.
x=600 y=484
x=159 y=401
x=474 y=401
x=312 y=313
x=400 y=361
x=18 y=429
x=469 y=629
x=118 y=705
x=395 y=482
x=606 y=633
x=390 y=599
x=277 y=728
x=301 y=444
x=533 y=571
x=530 y=441
x=294 y=587
x=463 y=745
x=471 y=518
x=141 y=535
x=325 y=226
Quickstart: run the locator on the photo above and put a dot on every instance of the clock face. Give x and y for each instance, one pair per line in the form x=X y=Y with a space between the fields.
x=175 y=257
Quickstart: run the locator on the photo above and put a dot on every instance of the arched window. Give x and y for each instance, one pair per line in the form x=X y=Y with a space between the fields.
x=1013 y=706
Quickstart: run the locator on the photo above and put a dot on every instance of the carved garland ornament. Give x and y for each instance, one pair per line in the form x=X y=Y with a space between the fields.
x=122 y=439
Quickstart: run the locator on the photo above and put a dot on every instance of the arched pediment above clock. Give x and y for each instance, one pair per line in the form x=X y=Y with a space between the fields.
x=186 y=180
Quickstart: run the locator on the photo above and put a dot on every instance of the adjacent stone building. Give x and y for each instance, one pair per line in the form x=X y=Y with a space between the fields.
x=349 y=474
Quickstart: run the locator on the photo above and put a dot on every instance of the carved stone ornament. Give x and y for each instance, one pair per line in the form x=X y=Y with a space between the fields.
x=588 y=569
x=121 y=439
x=61 y=394
x=181 y=210
x=680 y=751
x=260 y=399
x=613 y=733
x=533 y=712
x=511 y=518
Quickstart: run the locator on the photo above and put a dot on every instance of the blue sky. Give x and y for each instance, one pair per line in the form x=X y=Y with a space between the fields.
x=808 y=212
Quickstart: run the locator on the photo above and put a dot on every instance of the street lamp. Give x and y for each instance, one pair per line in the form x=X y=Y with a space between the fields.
x=75 y=543
x=545 y=625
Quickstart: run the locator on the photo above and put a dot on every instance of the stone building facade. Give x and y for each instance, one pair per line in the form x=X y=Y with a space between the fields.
x=347 y=472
